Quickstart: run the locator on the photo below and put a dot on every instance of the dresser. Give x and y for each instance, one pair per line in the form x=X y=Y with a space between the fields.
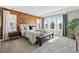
x=15 y=34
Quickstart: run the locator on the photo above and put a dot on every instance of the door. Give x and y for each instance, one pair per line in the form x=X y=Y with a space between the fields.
x=9 y=23
x=54 y=24
x=59 y=25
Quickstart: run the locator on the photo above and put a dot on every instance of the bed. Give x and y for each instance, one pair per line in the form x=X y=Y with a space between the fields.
x=34 y=34
x=58 y=45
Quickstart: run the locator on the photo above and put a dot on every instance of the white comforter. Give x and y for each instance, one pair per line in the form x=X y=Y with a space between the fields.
x=31 y=35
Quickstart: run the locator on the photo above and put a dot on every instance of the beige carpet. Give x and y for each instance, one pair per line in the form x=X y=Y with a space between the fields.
x=18 y=46
x=23 y=46
x=58 y=45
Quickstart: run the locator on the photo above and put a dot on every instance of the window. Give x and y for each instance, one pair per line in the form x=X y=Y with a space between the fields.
x=60 y=26
x=46 y=26
x=52 y=25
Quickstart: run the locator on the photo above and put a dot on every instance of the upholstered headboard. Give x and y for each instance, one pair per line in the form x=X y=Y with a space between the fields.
x=24 y=27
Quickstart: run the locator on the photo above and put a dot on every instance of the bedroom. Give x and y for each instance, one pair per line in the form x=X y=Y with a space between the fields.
x=32 y=28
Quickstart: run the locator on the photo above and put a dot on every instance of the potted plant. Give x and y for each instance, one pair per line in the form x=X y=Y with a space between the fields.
x=71 y=28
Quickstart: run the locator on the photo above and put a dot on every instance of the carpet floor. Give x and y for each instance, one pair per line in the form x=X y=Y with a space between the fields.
x=21 y=45
x=17 y=46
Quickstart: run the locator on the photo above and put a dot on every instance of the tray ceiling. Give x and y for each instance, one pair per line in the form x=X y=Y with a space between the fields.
x=42 y=10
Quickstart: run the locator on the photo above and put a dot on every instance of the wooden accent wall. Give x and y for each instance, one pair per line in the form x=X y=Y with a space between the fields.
x=23 y=18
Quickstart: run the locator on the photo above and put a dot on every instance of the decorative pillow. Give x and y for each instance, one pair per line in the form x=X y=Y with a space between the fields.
x=25 y=28
x=30 y=27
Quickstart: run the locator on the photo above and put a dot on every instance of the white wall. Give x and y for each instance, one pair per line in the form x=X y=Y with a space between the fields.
x=74 y=15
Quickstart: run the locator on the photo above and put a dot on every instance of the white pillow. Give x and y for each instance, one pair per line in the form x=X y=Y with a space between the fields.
x=27 y=27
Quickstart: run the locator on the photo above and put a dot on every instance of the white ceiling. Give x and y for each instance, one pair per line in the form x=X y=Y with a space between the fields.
x=42 y=10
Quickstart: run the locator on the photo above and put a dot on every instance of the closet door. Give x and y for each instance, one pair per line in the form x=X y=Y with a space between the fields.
x=9 y=23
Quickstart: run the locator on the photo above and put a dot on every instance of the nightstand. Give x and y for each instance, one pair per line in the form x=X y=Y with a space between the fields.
x=16 y=34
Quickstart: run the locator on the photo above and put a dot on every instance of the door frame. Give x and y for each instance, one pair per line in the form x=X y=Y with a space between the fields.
x=1 y=23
